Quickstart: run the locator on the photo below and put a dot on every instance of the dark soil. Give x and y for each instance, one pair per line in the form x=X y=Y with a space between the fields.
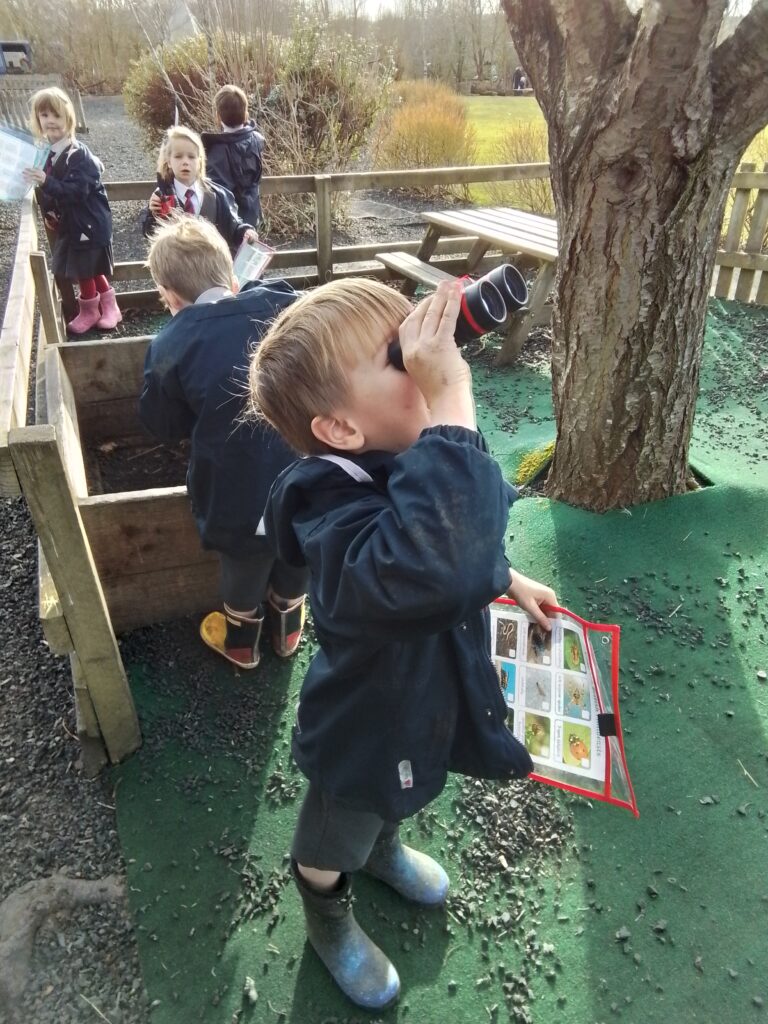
x=135 y=465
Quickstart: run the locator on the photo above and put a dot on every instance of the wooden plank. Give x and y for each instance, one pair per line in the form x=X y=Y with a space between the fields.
x=61 y=413
x=107 y=378
x=323 y=228
x=467 y=222
x=754 y=243
x=733 y=236
x=163 y=595
x=135 y=532
x=292 y=184
x=149 y=299
x=112 y=368
x=55 y=628
x=93 y=756
x=743 y=260
x=37 y=458
x=50 y=309
x=16 y=345
x=749 y=179
x=406 y=265
x=147 y=550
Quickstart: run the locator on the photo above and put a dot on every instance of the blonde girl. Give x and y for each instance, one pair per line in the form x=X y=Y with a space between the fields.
x=75 y=207
x=183 y=186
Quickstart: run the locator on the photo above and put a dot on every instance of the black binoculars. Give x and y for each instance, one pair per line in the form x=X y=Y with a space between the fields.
x=486 y=304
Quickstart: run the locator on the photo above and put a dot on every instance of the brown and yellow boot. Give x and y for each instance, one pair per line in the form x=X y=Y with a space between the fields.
x=234 y=636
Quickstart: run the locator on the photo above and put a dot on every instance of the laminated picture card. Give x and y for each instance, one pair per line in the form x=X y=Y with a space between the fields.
x=562 y=694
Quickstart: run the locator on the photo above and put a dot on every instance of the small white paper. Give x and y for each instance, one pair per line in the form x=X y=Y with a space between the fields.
x=19 y=150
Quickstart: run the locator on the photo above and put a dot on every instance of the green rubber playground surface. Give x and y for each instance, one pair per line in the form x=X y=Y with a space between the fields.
x=562 y=909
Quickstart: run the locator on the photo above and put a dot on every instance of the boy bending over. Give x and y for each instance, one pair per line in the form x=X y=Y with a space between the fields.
x=400 y=514
x=195 y=387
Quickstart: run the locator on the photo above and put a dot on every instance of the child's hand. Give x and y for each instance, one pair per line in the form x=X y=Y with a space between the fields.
x=155 y=204
x=433 y=360
x=33 y=176
x=251 y=236
x=530 y=595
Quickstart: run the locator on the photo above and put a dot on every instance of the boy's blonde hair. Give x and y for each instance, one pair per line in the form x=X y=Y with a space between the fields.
x=57 y=101
x=299 y=370
x=189 y=256
x=163 y=157
x=231 y=105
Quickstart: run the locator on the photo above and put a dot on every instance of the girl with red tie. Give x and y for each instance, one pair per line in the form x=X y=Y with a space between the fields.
x=183 y=186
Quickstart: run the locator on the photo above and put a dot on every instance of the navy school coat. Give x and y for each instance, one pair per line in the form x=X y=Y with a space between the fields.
x=74 y=192
x=195 y=380
x=404 y=561
x=233 y=159
x=218 y=207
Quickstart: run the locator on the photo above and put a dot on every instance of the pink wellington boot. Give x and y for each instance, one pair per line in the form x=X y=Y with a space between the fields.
x=110 y=311
x=86 y=318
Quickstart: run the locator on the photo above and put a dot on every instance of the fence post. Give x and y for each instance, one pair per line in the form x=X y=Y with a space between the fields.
x=40 y=468
x=323 y=227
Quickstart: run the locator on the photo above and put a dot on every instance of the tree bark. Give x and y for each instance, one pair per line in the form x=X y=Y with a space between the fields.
x=647 y=118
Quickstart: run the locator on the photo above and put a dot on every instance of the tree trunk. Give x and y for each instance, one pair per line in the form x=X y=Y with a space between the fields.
x=637 y=245
x=647 y=118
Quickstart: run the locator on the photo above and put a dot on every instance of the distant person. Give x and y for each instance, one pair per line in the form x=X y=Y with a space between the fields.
x=183 y=186
x=517 y=74
x=234 y=153
x=195 y=387
x=75 y=207
x=400 y=513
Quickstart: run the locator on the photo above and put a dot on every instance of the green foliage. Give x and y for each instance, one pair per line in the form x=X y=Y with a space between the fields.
x=427 y=127
x=314 y=99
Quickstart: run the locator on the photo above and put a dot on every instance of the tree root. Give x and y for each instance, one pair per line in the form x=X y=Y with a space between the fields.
x=22 y=913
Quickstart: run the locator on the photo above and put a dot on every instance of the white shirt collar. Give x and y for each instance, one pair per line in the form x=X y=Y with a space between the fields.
x=61 y=145
x=214 y=294
x=181 y=191
x=225 y=128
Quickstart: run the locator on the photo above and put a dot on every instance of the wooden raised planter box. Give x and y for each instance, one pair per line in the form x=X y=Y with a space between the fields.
x=112 y=561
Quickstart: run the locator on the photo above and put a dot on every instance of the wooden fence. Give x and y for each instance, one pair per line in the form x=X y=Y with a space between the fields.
x=16 y=92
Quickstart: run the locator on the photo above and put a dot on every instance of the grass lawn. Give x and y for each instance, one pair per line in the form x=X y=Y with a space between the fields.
x=491 y=117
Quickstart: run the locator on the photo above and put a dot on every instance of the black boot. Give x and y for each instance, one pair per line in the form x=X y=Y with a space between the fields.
x=357 y=965
x=413 y=875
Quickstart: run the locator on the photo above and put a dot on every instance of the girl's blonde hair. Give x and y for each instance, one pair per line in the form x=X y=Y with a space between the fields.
x=57 y=101
x=299 y=369
x=164 y=156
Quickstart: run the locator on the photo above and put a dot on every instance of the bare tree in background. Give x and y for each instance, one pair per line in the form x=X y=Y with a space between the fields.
x=648 y=116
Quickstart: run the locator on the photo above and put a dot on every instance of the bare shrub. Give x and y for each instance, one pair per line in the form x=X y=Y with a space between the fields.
x=314 y=99
x=525 y=142
x=426 y=127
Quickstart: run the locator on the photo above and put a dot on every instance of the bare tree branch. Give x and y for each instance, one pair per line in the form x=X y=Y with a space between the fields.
x=740 y=78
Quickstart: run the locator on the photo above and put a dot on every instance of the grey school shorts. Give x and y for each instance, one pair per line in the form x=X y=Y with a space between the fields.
x=332 y=837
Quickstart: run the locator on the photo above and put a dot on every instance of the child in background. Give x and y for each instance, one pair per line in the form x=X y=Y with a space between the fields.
x=195 y=386
x=234 y=153
x=400 y=513
x=75 y=207
x=182 y=185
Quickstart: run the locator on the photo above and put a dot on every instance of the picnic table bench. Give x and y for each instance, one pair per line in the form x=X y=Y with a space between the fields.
x=494 y=228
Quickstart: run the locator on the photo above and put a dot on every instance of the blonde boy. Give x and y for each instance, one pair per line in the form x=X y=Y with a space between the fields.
x=400 y=514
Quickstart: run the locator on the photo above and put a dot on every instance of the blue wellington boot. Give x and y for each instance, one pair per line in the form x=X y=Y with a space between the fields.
x=413 y=875
x=357 y=965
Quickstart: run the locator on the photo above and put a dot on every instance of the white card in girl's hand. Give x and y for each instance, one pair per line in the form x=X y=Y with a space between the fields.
x=251 y=261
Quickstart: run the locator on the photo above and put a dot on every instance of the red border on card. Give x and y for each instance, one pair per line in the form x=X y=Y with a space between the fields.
x=615 y=631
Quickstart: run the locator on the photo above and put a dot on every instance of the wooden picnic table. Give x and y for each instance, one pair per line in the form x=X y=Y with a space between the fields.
x=494 y=227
